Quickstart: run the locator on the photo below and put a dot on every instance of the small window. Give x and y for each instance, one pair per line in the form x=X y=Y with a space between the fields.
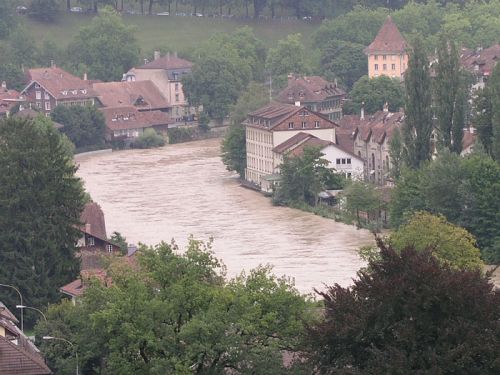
x=316 y=124
x=348 y=160
x=343 y=161
x=91 y=241
x=176 y=87
x=385 y=66
x=109 y=247
x=376 y=66
x=46 y=95
x=338 y=161
x=393 y=66
x=37 y=86
x=47 y=106
x=290 y=125
x=38 y=95
x=176 y=97
x=84 y=91
x=65 y=92
x=376 y=57
x=39 y=105
x=384 y=57
x=349 y=175
x=304 y=124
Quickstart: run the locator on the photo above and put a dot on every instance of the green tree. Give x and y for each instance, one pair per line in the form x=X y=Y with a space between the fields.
x=289 y=56
x=23 y=48
x=8 y=18
x=483 y=118
x=40 y=205
x=449 y=100
x=119 y=241
x=43 y=10
x=409 y=313
x=361 y=197
x=303 y=177
x=148 y=139
x=374 y=93
x=84 y=126
x=396 y=153
x=106 y=48
x=345 y=61
x=449 y=243
x=234 y=143
x=177 y=314
x=494 y=89
x=417 y=128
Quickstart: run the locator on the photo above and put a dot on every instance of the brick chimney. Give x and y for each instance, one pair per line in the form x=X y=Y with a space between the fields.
x=4 y=85
x=157 y=55
x=85 y=76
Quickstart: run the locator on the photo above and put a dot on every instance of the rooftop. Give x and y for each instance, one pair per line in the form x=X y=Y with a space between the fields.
x=122 y=118
x=308 y=90
x=167 y=62
x=388 y=39
x=482 y=60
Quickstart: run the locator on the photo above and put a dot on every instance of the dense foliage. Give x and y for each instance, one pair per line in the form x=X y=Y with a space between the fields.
x=177 y=314
x=465 y=190
x=148 y=139
x=84 y=126
x=362 y=197
x=40 y=205
x=409 y=314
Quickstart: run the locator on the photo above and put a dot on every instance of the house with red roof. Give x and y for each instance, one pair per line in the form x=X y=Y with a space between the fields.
x=8 y=100
x=387 y=53
x=50 y=87
x=166 y=73
x=480 y=62
x=316 y=93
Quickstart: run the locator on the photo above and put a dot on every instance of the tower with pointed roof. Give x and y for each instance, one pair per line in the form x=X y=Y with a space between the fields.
x=387 y=53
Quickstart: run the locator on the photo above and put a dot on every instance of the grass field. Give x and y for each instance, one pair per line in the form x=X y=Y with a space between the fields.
x=177 y=33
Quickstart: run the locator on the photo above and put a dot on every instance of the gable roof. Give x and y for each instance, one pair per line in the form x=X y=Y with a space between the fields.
x=480 y=61
x=308 y=90
x=60 y=84
x=15 y=359
x=122 y=118
x=92 y=218
x=275 y=114
x=7 y=314
x=8 y=99
x=140 y=94
x=388 y=39
x=167 y=62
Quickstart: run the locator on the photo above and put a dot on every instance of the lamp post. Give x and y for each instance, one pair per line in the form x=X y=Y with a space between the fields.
x=21 y=307
x=68 y=342
x=21 y=297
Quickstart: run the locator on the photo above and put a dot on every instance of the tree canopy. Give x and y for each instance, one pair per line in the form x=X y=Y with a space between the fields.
x=40 y=205
x=409 y=313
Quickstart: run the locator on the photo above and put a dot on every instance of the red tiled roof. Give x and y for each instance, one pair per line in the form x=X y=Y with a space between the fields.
x=309 y=90
x=482 y=61
x=8 y=99
x=6 y=313
x=140 y=94
x=167 y=62
x=388 y=39
x=77 y=287
x=345 y=139
x=16 y=360
x=60 y=84
x=122 y=118
x=468 y=139
x=92 y=218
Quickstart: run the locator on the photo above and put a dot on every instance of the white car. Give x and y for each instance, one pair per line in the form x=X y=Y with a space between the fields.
x=76 y=10
x=163 y=14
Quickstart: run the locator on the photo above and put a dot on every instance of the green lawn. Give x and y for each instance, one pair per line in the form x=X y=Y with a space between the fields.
x=177 y=33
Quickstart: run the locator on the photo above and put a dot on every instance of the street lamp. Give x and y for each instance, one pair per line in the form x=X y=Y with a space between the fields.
x=21 y=297
x=21 y=307
x=68 y=342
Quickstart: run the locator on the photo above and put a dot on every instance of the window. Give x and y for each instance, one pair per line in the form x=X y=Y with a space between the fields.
x=384 y=57
x=343 y=161
x=47 y=106
x=37 y=86
x=348 y=160
x=91 y=241
x=349 y=175
x=385 y=66
x=39 y=105
x=338 y=161
x=393 y=57
x=304 y=124
x=109 y=247
x=316 y=124
x=176 y=97
x=376 y=57
x=393 y=66
x=46 y=95
x=376 y=66
x=176 y=87
x=290 y=125
x=176 y=76
x=38 y=95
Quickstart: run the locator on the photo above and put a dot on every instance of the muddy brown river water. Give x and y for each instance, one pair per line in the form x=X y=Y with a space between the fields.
x=178 y=190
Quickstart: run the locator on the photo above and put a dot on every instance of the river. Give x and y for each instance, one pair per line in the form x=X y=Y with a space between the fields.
x=178 y=190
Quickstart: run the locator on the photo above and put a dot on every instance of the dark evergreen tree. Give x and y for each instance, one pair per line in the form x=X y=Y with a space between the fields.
x=417 y=129
x=40 y=205
x=494 y=87
x=409 y=314
x=449 y=98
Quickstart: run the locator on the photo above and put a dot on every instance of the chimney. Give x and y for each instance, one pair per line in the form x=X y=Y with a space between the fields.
x=175 y=54
x=335 y=83
x=362 y=116
x=145 y=61
x=85 y=76
x=87 y=227
x=157 y=55
x=386 y=107
x=168 y=56
x=297 y=104
x=4 y=85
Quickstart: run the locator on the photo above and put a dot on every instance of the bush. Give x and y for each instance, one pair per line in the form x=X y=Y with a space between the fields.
x=178 y=135
x=149 y=139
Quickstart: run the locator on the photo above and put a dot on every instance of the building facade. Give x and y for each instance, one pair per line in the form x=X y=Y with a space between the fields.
x=315 y=93
x=387 y=53
x=50 y=87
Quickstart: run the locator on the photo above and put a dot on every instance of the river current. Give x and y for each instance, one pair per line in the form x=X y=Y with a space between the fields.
x=178 y=190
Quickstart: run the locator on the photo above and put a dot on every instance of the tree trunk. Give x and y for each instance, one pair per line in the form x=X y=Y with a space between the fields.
x=68 y=4
x=176 y=5
x=246 y=5
x=150 y=7
x=272 y=10
x=142 y=7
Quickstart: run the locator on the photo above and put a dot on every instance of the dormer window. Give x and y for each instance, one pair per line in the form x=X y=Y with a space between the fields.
x=83 y=91
x=65 y=92
x=316 y=124
x=290 y=125
x=37 y=86
x=74 y=92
